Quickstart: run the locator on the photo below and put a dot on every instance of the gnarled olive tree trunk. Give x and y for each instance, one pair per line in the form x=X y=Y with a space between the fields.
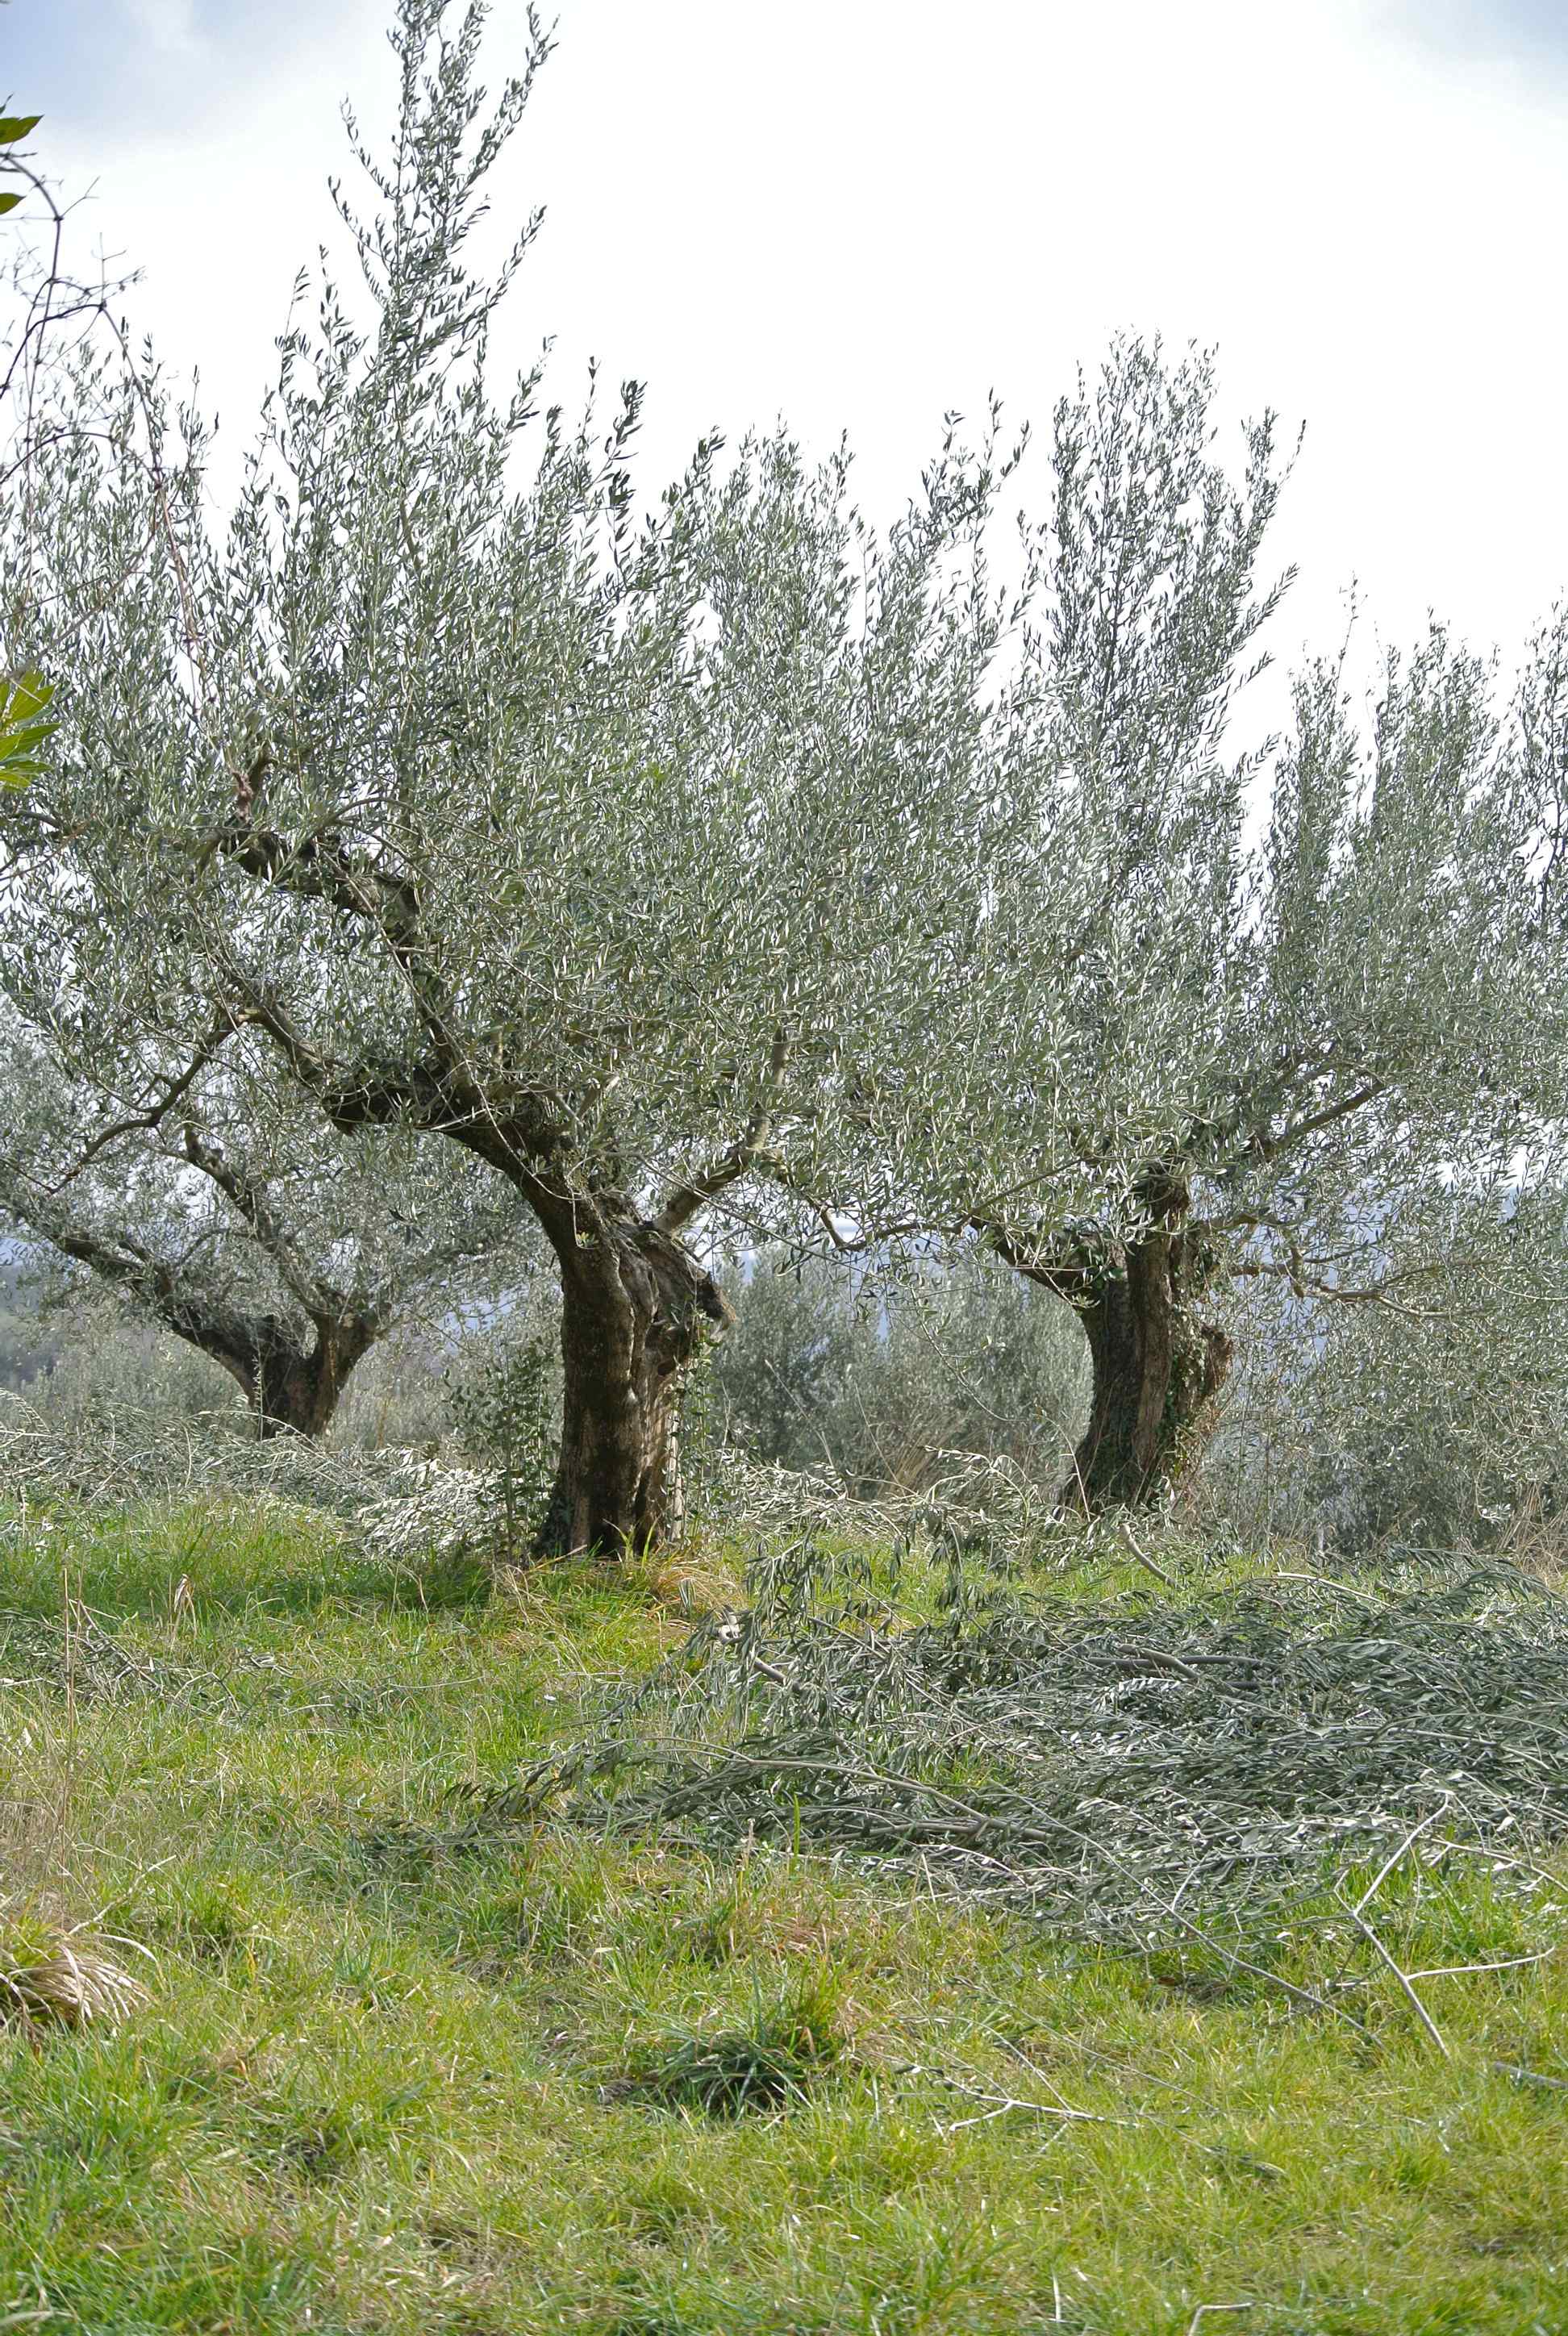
x=294 y=1388
x=1157 y=1365
x=637 y=1307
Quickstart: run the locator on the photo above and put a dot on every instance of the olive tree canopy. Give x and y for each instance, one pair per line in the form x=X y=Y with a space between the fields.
x=658 y=860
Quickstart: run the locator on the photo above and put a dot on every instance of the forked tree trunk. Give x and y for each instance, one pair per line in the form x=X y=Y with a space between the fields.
x=1157 y=1368
x=295 y=1390
x=637 y=1307
x=292 y=1389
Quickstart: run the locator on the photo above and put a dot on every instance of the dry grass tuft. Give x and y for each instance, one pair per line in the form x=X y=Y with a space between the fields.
x=692 y=1581
x=52 y=1977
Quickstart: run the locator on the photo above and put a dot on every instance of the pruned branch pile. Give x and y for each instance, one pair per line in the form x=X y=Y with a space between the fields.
x=1128 y=1771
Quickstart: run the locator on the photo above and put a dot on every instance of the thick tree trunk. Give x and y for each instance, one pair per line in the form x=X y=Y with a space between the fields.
x=1157 y=1366
x=637 y=1306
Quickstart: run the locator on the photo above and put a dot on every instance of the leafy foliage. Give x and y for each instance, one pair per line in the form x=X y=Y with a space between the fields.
x=505 y=1409
x=881 y=1379
x=1435 y=1418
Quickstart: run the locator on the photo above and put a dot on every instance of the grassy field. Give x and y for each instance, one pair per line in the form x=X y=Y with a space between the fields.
x=391 y=2076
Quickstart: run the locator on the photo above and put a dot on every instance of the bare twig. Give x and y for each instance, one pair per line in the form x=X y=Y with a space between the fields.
x=1375 y=1943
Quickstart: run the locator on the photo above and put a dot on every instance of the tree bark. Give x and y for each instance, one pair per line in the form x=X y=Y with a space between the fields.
x=295 y=1389
x=637 y=1307
x=1157 y=1365
x=636 y=1304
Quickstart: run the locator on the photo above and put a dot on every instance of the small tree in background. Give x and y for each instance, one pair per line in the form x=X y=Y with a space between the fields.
x=232 y=1216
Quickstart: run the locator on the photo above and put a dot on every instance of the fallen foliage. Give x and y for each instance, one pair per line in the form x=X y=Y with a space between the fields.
x=125 y=1453
x=1129 y=1770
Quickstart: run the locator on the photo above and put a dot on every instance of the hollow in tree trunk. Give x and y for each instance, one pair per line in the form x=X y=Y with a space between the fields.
x=1157 y=1366
x=637 y=1307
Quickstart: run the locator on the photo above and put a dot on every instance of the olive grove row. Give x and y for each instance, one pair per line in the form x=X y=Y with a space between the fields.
x=451 y=848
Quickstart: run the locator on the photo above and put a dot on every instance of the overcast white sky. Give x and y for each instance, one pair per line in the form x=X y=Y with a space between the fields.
x=859 y=212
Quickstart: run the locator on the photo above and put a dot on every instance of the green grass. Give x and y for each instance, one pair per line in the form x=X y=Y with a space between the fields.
x=393 y=2077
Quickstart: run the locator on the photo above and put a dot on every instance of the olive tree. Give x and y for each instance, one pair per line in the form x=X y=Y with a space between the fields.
x=233 y=1215
x=641 y=858
x=1374 y=985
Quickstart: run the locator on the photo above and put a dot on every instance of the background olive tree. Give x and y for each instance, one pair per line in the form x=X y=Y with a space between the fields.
x=1373 y=992
x=235 y=1217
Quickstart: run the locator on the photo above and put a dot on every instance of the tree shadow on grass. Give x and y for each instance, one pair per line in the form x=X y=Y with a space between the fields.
x=357 y=1580
x=190 y=1565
